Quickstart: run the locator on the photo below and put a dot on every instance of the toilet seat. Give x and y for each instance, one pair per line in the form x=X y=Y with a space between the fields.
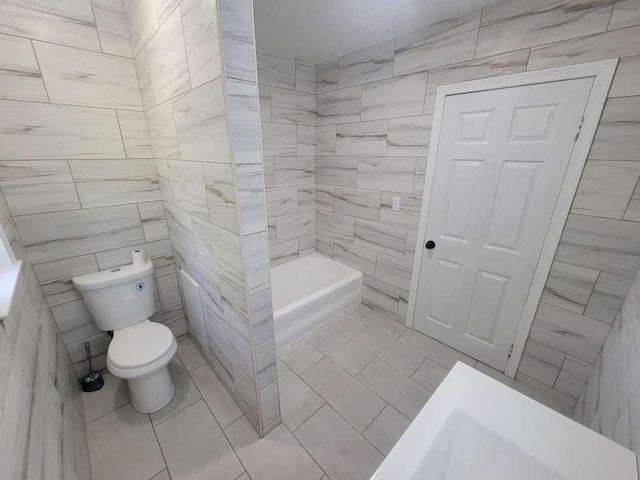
x=139 y=349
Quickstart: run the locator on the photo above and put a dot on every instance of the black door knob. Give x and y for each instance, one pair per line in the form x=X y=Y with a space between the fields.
x=430 y=245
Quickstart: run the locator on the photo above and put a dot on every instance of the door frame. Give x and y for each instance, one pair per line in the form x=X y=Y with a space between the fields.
x=602 y=73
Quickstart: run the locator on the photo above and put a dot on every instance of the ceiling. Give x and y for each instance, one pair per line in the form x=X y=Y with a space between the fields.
x=320 y=30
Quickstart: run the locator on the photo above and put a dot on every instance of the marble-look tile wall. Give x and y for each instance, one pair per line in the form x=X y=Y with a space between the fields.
x=196 y=66
x=610 y=401
x=374 y=113
x=76 y=163
x=42 y=429
x=288 y=116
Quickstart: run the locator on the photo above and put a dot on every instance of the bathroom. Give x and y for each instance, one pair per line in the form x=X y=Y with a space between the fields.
x=225 y=209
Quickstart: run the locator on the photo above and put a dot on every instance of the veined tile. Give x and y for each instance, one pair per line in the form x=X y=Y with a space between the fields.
x=144 y=79
x=21 y=79
x=391 y=351
x=625 y=13
x=366 y=65
x=290 y=106
x=294 y=170
x=54 y=236
x=202 y=40
x=339 y=106
x=264 y=96
x=154 y=222
x=357 y=202
x=353 y=401
x=80 y=77
x=409 y=136
x=617 y=135
x=162 y=131
x=66 y=23
x=379 y=295
x=112 y=27
x=362 y=138
x=541 y=363
x=221 y=196
x=187 y=186
x=276 y=71
x=572 y=377
x=601 y=243
x=324 y=245
x=360 y=258
x=74 y=321
x=219 y=250
x=506 y=27
x=607 y=297
x=135 y=134
x=624 y=84
x=168 y=291
x=307 y=244
x=201 y=124
x=236 y=23
x=504 y=64
x=142 y=22
x=380 y=237
x=401 y=96
x=335 y=226
x=279 y=139
x=443 y=43
x=102 y=183
x=394 y=271
x=394 y=174
x=166 y=59
x=256 y=260
x=55 y=277
x=250 y=195
x=296 y=225
x=326 y=140
x=269 y=177
x=281 y=201
x=282 y=252
x=324 y=197
x=306 y=137
x=617 y=43
x=569 y=286
x=340 y=349
x=337 y=170
x=337 y=447
x=576 y=335
x=306 y=197
x=326 y=77
x=164 y=182
x=605 y=188
x=409 y=213
x=400 y=392
x=159 y=252
x=40 y=131
x=305 y=77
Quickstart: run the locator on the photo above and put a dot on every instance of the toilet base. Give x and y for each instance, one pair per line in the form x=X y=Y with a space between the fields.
x=151 y=392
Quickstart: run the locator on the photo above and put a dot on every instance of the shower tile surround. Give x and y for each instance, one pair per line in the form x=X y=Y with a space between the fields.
x=374 y=111
x=196 y=68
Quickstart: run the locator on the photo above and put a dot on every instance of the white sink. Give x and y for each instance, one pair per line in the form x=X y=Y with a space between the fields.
x=474 y=427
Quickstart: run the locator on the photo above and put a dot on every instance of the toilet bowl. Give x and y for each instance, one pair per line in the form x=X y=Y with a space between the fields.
x=141 y=354
x=121 y=300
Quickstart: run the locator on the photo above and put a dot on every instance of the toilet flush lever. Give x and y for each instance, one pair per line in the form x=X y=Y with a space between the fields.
x=430 y=245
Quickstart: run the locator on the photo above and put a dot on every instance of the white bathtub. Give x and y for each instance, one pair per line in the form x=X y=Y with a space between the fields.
x=307 y=293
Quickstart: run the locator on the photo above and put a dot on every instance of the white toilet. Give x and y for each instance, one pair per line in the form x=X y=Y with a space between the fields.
x=121 y=299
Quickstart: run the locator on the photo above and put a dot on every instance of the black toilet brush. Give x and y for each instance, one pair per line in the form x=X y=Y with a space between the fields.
x=93 y=381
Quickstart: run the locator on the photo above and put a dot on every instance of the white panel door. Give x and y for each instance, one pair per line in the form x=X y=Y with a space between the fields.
x=502 y=156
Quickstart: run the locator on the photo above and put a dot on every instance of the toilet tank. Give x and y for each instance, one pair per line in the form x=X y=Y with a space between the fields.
x=118 y=297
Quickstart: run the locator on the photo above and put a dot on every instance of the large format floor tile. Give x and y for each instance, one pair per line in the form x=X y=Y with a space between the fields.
x=349 y=355
x=391 y=351
x=190 y=355
x=301 y=356
x=339 y=450
x=277 y=456
x=186 y=392
x=297 y=401
x=347 y=324
x=353 y=401
x=386 y=429
x=399 y=391
x=217 y=397
x=114 y=394
x=433 y=349
x=122 y=445
x=195 y=447
x=430 y=374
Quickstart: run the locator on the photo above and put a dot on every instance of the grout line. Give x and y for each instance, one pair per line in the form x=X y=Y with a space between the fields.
x=164 y=460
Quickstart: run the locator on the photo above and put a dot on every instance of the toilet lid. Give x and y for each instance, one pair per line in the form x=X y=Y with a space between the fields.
x=139 y=344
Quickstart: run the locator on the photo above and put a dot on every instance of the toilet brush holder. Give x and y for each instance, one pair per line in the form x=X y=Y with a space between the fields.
x=93 y=381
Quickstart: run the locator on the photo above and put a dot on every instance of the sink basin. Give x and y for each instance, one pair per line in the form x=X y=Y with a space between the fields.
x=474 y=427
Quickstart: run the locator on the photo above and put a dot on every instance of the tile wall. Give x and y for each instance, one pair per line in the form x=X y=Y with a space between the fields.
x=196 y=67
x=76 y=163
x=288 y=116
x=610 y=401
x=374 y=113
x=42 y=432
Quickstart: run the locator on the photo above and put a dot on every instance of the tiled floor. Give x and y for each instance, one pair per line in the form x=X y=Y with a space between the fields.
x=348 y=391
